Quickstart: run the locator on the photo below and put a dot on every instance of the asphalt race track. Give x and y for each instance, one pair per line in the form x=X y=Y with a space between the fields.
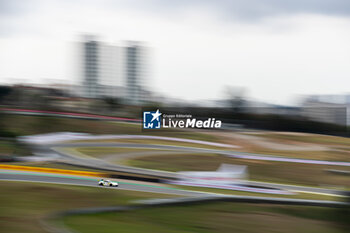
x=47 y=149
x=92 y=182
x=102 y=164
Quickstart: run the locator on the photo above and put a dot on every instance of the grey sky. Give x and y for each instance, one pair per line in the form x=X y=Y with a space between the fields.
x=275 y=49
x=252 y=9
x=248 y=9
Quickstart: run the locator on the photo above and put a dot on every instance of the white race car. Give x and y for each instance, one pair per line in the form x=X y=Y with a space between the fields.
x=103 y=182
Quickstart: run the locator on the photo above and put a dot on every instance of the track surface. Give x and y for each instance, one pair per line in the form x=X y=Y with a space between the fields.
x=56 y=151
x=92 y=182
x=49 y=150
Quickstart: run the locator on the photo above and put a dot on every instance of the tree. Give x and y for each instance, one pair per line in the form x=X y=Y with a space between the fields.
x=4 y=91
x=236 y=98
x=112 y=103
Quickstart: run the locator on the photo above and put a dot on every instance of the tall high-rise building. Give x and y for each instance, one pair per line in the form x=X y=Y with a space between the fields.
x=105 y=66
x=101 y=69
x=90 y=68
x=134 y=72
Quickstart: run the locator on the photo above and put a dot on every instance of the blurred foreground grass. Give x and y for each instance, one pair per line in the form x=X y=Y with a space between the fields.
x=214 y=217
x=22 y=204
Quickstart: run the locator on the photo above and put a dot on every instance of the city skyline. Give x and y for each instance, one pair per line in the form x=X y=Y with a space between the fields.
x=197 y=50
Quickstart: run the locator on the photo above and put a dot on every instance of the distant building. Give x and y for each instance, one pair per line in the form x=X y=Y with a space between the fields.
x=134 y=72
x=90 y=68
x=111 y=71
x=327 y=112
x=101 y=65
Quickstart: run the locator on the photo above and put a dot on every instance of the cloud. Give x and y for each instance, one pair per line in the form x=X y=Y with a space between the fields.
x=229 y=9
x=249 y=10
x=15 y=15
x=195 y=41
x=14 y=7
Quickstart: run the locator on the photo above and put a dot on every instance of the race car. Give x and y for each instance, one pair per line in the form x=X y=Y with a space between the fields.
x=103 y=182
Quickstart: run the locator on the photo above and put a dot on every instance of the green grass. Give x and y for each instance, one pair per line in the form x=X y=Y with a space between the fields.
x=268 y=171
x=308 y=138
x=23 y=204
x=214 y=217
x=330 y=155
x=151 y=142
x=102 y=151
x=335 y=148
x=10 y=148
x=27 y=125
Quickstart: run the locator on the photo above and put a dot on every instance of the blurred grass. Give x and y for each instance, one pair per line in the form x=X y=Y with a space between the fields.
x=268 y=171
x=102 y=151
x=308 y=138
x=23 y=204
x=213 y=217
x=151 y=142
x=327 y=147
x=330 y=155
x=27 y=125
x=12 y=147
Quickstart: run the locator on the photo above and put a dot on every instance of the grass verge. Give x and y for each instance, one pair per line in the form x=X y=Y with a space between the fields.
x=214 y=217
x=23 y=204
x=28 y=125
x=268 y=171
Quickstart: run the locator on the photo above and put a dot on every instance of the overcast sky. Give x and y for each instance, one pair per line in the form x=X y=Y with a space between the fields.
x=275 y=49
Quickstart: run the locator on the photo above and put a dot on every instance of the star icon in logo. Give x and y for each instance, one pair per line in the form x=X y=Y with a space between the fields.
x=156 y=115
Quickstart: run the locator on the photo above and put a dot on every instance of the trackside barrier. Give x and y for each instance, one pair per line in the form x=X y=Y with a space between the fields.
x=53 y=170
